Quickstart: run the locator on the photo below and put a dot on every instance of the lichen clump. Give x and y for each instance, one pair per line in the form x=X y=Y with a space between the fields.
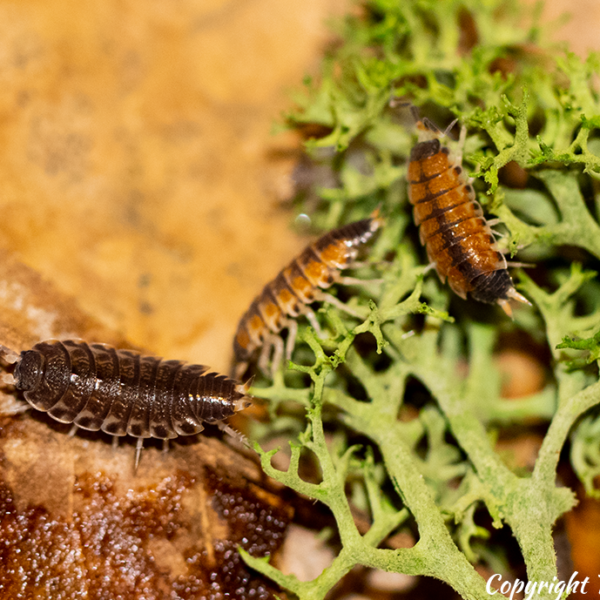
x=414 y=387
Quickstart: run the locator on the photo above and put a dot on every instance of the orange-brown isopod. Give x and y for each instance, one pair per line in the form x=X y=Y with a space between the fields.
x=458 y=239
x=299 y=284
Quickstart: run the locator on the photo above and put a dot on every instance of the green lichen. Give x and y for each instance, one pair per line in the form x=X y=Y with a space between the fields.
x=524 y=103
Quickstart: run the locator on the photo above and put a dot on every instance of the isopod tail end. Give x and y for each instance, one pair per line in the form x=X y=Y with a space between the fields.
x=512 y=293
x=505 y=305
x=242 y=404
x=243 y=388
x=245 y=401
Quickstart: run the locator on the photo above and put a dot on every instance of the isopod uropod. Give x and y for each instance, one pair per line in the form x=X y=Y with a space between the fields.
x=458 y=239
x=299 y=284
x=121 y=392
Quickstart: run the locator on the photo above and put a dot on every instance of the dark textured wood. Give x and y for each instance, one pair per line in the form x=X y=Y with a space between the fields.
x=77 y=523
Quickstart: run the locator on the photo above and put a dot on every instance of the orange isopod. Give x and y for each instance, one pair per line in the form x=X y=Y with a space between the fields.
x=299 y=284
x=458 y=239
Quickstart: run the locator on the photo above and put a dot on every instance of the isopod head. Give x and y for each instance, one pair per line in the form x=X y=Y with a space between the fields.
x=29 y=370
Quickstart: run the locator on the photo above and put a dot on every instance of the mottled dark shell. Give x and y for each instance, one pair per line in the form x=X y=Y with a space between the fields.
x=122 y=392
x=452 y=227
x=297 y=284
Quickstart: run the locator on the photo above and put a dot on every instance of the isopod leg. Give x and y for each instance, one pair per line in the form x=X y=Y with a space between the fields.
x=291 y=339
x=115 y=442
x=513 y=263
x=428 y=268
x=356 y=281
x=263 y=358
x=165 y=447
x=73 y=430
x=312 y=319
x=236 y=435
x=9 y=406
x=363 y=264
x=358 y=264
x=138 y=452
x=277 y=344
x=335 y=302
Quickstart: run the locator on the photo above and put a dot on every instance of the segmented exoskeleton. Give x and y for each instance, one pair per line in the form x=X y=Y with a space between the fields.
x=121 y=392
x=299 y=284
x=459 y=241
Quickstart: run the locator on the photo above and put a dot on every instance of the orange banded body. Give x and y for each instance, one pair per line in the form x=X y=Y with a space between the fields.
x=299 y=284
x=458 y=239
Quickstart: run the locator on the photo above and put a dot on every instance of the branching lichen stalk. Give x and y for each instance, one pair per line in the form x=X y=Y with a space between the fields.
x=409 y=392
